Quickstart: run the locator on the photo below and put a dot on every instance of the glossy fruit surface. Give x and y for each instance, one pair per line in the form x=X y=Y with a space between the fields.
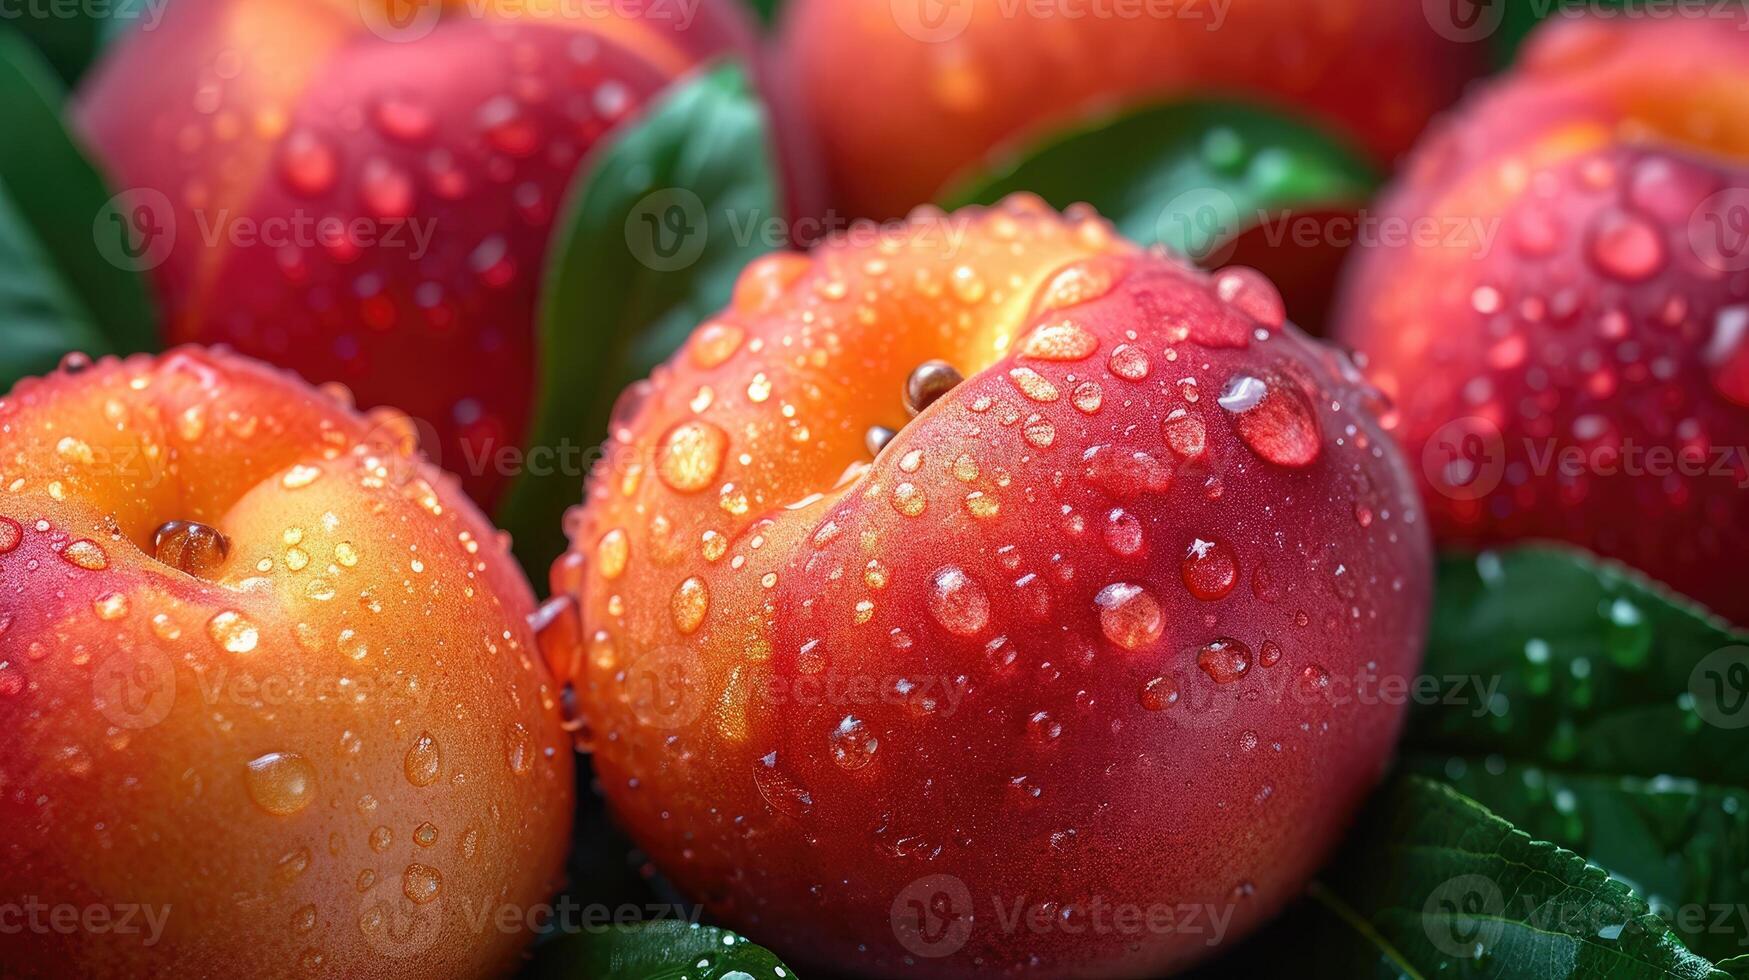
x=1092 y=630
x=952 y=82
x=364 y=193
x=268 y=687
x=1568 y=352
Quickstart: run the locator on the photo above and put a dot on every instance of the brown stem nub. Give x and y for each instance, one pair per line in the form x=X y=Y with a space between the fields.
x=928 y=382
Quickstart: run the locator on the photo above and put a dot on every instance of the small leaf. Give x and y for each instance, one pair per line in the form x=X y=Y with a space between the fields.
x=767 y=10
x=661 y=950
x=1431 y=884
x=58 y=291
x=1613 y=723
x=652 y=239
x=1191 y=175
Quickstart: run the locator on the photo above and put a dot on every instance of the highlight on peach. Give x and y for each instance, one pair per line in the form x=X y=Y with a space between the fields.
x=756 y=489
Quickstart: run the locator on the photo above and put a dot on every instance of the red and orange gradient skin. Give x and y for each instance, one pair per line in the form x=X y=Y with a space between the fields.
x=323 y=755
x=463 y=129
x=950 y=82
x=1077 y=635
x=1593 y=310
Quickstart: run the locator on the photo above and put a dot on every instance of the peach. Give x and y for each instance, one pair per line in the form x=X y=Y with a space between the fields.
x=976 y=585
x=271 y=700
x=905 y=95
x=364 y=192
x=1568 y=353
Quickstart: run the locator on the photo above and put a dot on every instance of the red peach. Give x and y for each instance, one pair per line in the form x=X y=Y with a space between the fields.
x=1083 y=634
x=1568 y=353
x=369 y=200
x=272 y=706
x=951 y=82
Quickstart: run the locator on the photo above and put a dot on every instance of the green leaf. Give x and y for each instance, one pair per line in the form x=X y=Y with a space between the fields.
x=1614 y=724
x=1191 y=175
x=72 y=35
x=661 y=950
x=58 y=291
x=1431 y=884
x=652 y=239
x=767 y=10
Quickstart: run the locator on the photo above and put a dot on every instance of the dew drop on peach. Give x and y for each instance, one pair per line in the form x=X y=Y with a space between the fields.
x=958 y=602
x=692 y=455
x=1273 y=419
x=281 y=783
x=1224 y=659
x=423 y=760
x=1129 y=615
x=852 y=744
x=1209 y=570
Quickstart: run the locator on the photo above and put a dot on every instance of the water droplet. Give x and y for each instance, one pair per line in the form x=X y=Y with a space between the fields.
x=1123 y=532
x=1088 y=397
x=909 y=499
x=1270 y=654
x=232 y=632
x=423 y=760
x=1129 y=616
x=1251 y=293
x=692 y=599
x=1224 y=659
x=716 y=342
x=853 y=745
x=1039 y=432
x=958 y=602
x=10 y=535
x=282 y=783
x=611 y=553
x=307 y=164
x=1081 y=282
x=1274 y=419
x=519 y=748
x=1060 y=340
x=1129 y=362
x=111 y=607
x=86 y=554
x=1033 y=385
x=1159 y=693
x=692 y=455
x=1626 y=246
x=779 y=789
x=1185 y=434
x=1209 y=570
x=421 y=883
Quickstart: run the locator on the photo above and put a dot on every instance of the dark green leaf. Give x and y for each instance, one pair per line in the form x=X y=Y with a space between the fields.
x=58 y=291
x=1615 y=726
x=71 y=35
x=1431 y=884
x=662 y=950
x=653 y=237
x=1191 y=175
x=768 y=10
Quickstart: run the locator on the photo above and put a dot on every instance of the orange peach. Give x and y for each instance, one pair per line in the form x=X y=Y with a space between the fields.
x=271 y=700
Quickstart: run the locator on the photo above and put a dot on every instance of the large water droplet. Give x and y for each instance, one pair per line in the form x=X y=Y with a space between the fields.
x=958 y=602
x=1209 y=570
x=1224 y=659
x=853 y=744
x=1129 y=616
x=282 y=783
x=1273 y=419
x=692 y=455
